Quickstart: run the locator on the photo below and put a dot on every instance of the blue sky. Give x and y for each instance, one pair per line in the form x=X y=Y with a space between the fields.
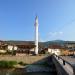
x=56 y=19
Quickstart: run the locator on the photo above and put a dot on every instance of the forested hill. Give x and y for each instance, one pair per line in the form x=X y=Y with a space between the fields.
x=43 y=44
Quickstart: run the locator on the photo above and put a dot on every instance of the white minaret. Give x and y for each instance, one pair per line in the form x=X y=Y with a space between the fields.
x=36 y=35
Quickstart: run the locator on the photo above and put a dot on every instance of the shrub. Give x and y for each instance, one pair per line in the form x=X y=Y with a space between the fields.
x=22 y=63
x=7 y=64
x=14 y=52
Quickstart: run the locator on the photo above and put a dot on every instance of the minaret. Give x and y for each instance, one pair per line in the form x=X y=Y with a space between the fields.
x=36 y=35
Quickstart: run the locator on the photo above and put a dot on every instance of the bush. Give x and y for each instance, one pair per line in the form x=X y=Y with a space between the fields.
x=7 y=64
x=14 y=52
x=22 y=63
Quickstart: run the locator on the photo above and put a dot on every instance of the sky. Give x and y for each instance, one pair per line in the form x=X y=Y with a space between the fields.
x=56 y=19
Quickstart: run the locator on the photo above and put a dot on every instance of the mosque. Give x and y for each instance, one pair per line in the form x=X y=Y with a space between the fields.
x=33 y=47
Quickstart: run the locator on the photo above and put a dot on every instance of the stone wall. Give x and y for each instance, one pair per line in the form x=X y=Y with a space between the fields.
x=59 y=68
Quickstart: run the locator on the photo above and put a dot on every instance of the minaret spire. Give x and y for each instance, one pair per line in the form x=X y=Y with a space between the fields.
x=36 y=35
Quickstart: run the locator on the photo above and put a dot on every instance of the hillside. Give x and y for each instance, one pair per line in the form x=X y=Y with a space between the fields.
x=41 y=44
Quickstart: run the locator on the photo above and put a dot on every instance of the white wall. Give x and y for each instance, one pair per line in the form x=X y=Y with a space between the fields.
x=49 y=50
x=32 y=49
x=55 y=51
x=15 y=47
x=11 y=47
x=3 y=51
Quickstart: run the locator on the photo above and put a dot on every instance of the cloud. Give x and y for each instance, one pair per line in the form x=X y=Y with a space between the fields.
x=55 y=33
x=60 y=33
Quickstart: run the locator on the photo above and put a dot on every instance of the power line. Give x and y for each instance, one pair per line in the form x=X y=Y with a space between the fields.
x=66 y=24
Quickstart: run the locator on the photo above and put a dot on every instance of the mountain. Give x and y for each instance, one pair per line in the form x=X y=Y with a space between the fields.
x=58 y=42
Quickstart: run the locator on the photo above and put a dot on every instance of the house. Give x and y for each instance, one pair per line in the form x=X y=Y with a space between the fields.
x=55 y=49
x=12 y=47
x=2 y=47
x=17 y=46
x=70 y=45
x=25 y=48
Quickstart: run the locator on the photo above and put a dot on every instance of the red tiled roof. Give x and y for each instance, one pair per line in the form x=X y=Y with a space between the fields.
x=55 y=47
x=26 y=46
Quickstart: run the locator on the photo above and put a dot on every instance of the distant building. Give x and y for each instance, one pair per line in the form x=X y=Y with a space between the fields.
x=28 y=47
x=70 y=45
x=55 y=49
x=25 y=48
x=20 y=47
